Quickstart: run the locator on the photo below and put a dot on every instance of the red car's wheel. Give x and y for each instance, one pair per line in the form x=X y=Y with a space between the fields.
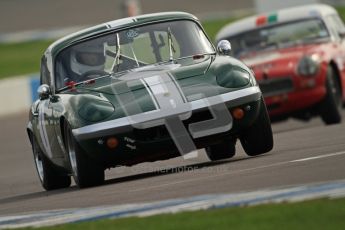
x=330 y=107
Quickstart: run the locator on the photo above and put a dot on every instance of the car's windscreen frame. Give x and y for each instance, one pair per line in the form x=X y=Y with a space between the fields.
x=209 y=44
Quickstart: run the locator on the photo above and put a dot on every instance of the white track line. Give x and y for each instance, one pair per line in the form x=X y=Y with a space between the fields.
x=319 y=157
x=237 y=171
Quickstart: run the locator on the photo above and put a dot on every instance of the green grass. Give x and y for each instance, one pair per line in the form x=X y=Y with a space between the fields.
x=341 y=11
x=21 y=58
x=317 y=214
x=213 y=26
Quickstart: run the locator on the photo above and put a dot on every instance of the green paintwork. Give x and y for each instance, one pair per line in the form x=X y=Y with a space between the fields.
x=191 y=78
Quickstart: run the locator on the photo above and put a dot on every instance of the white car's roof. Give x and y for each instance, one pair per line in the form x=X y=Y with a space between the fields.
x=284 y=15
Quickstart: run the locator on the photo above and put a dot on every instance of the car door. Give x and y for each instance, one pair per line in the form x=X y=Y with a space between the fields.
x=44 y=121
x=44 y=113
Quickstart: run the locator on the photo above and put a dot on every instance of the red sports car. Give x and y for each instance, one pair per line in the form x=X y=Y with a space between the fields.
x=298 y=57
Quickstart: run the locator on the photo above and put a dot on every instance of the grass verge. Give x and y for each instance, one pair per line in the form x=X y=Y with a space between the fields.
x=21 y=58
x=316 y=214
x=213 y=26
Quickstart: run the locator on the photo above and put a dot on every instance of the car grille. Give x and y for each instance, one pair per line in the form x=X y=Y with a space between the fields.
x=271 y=87
x=161 y=131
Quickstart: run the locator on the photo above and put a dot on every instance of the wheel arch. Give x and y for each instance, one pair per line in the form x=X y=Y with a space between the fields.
x=62 y=129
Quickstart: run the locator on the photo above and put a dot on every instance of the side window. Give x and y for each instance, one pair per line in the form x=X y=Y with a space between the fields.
x=45 y=74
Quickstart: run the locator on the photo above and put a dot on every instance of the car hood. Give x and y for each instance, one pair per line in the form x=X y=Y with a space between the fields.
x=139 y=78
x=148 y=88
x=280 y=55
x=152 y=87
x=284 y=61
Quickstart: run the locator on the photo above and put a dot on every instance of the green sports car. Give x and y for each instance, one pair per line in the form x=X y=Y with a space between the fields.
x=141 y=89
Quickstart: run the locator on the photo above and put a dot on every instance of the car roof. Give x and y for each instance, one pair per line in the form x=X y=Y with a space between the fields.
x=60 y=44
x=280 y=16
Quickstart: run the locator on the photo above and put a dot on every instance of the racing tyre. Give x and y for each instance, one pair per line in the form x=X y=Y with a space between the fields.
x=220 y=151
x=49 y=176
x=86 y=173
x=330 y=106
x=258 y=138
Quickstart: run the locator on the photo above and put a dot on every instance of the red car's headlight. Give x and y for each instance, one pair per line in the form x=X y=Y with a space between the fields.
x=309 y=65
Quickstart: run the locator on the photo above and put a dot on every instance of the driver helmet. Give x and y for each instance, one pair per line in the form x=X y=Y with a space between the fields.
x=87 y=57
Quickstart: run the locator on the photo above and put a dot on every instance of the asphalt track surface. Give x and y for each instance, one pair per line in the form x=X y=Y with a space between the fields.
x=303 y=153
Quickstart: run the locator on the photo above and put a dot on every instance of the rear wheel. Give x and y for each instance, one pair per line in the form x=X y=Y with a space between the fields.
x=221 y=151
x=330 y=107
x=258 y=139
x=86 y=173
x=49 y=176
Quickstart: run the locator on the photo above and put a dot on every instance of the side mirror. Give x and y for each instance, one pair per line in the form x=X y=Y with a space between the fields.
x=224 y=47
x=43 y=92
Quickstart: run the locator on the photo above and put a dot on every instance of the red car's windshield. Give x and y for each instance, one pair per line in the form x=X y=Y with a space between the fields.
x=279 y=35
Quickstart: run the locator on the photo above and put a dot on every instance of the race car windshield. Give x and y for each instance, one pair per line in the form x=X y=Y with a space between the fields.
x=129 y=49
x=279 y=36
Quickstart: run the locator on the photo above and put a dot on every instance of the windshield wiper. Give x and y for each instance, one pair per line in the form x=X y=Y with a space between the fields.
x=135 y=56
x=171 y=46
x=117 y=54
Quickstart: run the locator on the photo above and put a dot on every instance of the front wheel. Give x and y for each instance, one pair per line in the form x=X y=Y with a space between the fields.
x=330 y=106
x=258 y=138
x=49 y=176
x=86 y=173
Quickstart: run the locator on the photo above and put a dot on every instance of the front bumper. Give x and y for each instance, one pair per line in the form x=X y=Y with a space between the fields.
x=138 y=144
x=285 y=104
x=294 y=93
x=126 y=124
